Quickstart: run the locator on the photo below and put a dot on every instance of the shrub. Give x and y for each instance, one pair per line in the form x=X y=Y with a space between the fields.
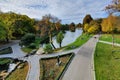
x=32 y=46
x=27 y=39
x=48 y=48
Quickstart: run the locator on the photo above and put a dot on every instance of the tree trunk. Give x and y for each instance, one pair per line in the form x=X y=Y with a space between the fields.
x=60 y=45
x=7 y=40
x=53 y=45
x=50 y=40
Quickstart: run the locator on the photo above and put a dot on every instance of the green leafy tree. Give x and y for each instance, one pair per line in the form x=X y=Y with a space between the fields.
x=27 y=39
x=2 y=31
x=16 y=24
x=48 y=48
x=60 y=37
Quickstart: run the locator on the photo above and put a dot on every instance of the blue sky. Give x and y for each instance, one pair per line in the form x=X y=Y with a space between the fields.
x=67 y=10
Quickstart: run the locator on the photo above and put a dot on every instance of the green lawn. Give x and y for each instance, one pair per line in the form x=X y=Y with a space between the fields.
x=4 y=61
x=108 y=37
x=26 y=50
x=79 y=41
x=107 y=62
x=6 y=51
x=4 y=65
x=19 y=73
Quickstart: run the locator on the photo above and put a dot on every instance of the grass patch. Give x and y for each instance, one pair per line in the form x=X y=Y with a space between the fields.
x=26 y=49
x=4 y=61
x=108 y=37
x=4 y=65
x=107 y=62
x=19 y=73
x=50 y=71
x=78 y=42
x=6 y=51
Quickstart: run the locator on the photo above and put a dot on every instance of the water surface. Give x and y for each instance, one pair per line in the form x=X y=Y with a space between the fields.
x=69 y=37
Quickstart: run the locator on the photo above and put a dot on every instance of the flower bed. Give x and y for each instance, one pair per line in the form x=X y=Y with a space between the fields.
x=49 y=70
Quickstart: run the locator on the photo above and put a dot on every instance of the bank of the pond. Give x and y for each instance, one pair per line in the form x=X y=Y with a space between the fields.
x=79 y=41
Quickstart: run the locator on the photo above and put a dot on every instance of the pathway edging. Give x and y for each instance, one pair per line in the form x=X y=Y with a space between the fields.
x=28 y=70
x=116 y=44
x=93 y=63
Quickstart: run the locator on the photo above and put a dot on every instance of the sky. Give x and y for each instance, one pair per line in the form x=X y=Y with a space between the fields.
x=66 y=10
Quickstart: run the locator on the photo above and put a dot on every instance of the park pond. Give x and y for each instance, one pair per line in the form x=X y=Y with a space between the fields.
x=69 y=37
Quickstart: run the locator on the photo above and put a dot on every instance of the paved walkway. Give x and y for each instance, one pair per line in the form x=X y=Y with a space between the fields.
x=12 y=42
x=109 y=43
x=17 y=53
x=81 y=67
x=34 y=69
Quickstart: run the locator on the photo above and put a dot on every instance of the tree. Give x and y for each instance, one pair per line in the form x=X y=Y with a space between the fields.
x=93 y=29
x=86 y=27
x=22 y=26
x=58 y=25
x=2 y=31
x=16 y=25
x=87 y=19
x=79 y=25
x=60 y=37
x=27 y=39
x=95 y=26
x=48 y=25
x=114 y=7
x=64 y=27
x=72 y=27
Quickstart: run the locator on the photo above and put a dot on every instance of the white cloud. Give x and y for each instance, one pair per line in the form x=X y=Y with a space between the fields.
x=67 y=10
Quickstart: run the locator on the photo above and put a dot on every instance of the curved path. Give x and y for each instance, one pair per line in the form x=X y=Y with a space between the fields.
x=34 y=69
x=17 y=53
